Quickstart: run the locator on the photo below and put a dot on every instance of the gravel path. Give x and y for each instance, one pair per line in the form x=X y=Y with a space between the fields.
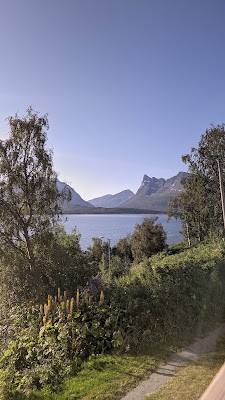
x=167 y=370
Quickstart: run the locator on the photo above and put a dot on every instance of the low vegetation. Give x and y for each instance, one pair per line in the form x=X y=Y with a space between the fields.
x=104 y=377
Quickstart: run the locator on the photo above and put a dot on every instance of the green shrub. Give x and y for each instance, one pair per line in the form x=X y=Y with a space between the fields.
x=59 y=262
x=43 y=346
x=172 y=295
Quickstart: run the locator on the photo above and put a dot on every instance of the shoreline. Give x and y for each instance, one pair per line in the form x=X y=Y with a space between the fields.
x=106 y=211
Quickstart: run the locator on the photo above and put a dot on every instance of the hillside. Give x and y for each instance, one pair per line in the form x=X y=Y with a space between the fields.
x=154 y=194
x=110 y=200
x=76 y=199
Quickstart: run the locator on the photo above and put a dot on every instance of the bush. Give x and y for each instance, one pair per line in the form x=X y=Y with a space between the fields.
x=147 y=239
x=42 y=347
x=60 y=262
x=173 y=295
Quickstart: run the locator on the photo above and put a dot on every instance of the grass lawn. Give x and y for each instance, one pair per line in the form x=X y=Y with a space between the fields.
x=191 y=381
x=106 y=377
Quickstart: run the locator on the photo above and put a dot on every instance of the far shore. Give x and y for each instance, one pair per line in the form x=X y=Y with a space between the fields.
x=101 y=210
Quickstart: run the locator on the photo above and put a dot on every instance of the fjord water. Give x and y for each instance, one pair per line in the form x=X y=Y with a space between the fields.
x=116 y=226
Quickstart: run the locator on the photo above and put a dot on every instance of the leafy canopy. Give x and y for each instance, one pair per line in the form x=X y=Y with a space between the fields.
x=199 y=206
x=147 y=239
x=29 y=199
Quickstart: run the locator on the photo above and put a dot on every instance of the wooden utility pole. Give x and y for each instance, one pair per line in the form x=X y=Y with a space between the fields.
x=221 y=191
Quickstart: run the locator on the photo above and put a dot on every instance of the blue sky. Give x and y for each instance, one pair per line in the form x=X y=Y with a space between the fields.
x=129 y=85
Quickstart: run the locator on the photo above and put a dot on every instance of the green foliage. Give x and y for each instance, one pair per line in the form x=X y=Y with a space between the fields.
x=164 y=298
x=169 y=296
x=62 y=262
x=120 y=258
x=118 y=267
x=30 y=205
x=96 y=251
x=158 y=297
x=34 y=355
x=43 y=345
x=59 y=262
x=122 y=249
x=147 y=239
x=199 y=206
x=29 y=198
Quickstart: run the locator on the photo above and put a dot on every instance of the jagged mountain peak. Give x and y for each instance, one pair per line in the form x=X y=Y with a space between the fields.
x=150 y=185
x=154 y=193
x=146 y=179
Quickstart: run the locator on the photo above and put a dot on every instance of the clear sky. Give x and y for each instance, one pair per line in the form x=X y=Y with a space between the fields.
x=129 y=85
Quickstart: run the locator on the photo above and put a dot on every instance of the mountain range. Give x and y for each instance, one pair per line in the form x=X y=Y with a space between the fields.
x=153 y=194
x=112 y=200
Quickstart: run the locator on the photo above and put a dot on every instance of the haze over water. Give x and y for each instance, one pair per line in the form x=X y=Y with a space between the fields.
x=115 y=227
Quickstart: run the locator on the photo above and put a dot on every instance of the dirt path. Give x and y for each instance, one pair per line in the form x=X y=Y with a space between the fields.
x=167 y=370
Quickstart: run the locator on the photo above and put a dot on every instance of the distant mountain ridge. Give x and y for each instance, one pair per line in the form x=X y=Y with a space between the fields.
x=110 y=200
x=154 y=194
x=76 y=199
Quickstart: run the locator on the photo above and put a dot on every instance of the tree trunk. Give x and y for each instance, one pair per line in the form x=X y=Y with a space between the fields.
x=188 y=235
x=221 y=192
x=30 y=253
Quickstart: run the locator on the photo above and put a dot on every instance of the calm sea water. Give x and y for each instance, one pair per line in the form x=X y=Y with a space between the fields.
x=115 y=227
